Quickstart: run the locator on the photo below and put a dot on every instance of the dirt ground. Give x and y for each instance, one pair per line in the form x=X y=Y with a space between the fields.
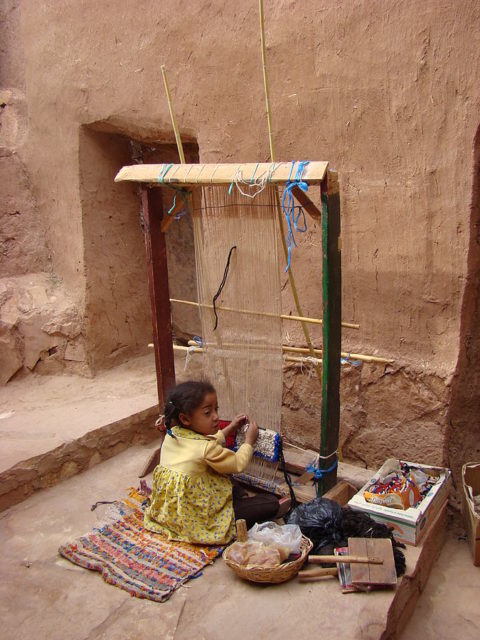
x=46 y=596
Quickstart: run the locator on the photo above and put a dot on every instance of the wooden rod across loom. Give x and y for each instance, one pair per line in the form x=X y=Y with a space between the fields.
x=348 y=325
x=197 y=349
x=199 y=174
x=317 y=352
x=344 y=354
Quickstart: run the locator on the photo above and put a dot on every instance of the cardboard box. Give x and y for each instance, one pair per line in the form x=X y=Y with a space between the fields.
x=408 y=525
x=471 y=488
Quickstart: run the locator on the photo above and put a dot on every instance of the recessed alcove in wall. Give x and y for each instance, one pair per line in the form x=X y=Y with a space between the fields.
x=117 y=305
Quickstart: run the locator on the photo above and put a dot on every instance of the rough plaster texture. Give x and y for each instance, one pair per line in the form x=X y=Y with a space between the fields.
x=385 y=412
x=463 y=441
x=40 y=327
x=388 y=92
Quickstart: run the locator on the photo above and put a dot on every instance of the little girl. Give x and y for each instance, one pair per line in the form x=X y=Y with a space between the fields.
x=192 y=498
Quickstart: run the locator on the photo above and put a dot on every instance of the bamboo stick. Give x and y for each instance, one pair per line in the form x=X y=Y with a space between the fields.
x=192 y=349
x=265 y=80
x=349 y=325
x=166 y=222
x=319 y=352
x=286 y=349
x=344 y=354
x=308 y=360
x=172 y=116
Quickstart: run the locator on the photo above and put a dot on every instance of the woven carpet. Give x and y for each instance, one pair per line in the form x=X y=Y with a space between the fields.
x=134 y=559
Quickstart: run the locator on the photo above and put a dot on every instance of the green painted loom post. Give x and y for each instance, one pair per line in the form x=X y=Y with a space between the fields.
x=332 y=328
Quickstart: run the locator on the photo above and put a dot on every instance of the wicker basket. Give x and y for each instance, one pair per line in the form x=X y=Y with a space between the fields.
x=272 y=575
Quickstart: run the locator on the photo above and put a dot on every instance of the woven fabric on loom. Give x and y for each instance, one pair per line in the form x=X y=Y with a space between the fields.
x=243 y=356
x=134 y=559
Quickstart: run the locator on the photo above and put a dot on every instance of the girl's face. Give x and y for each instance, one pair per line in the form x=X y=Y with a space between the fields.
x=204 y=419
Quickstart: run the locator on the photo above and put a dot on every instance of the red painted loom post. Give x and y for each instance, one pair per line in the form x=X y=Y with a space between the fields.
x=159 y=293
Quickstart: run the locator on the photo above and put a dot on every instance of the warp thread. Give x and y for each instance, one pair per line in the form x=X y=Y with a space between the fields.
x=255 y=184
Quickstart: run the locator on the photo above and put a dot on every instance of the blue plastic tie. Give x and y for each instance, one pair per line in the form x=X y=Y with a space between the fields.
x=293 y=212
x=348 y=360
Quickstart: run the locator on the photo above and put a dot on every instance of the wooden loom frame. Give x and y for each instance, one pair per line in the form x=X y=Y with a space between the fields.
x=192 y=176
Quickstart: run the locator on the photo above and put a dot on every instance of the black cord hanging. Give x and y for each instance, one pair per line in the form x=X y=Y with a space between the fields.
x=288 y=480
x=222 y=284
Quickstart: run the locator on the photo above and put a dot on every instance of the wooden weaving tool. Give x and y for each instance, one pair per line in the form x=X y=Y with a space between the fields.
x=370 y=576
x=371 y=564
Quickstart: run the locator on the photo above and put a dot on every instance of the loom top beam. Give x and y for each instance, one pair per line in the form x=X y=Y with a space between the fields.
x=205 y=174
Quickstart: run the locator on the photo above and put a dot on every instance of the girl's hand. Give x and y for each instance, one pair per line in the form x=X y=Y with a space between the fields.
x=235 y=424
x=252 y=433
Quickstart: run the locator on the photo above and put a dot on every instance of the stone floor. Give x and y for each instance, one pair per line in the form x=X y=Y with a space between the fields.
x=44 y=596
x=448 y=606
x=40 y=413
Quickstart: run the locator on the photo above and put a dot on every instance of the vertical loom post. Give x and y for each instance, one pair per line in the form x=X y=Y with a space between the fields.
x=159 y=294
x=332 y=328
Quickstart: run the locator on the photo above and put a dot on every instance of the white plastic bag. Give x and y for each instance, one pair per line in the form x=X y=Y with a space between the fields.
x=283 y=535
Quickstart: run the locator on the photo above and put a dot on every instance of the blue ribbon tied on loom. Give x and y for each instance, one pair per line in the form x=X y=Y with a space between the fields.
x=319 y=473
x=291 y=211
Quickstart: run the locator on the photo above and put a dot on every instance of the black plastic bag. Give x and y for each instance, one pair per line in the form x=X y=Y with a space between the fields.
x=328 y=525
x=321 y=521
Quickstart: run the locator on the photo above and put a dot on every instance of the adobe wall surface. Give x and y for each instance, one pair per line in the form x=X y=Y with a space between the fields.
x=387 y=92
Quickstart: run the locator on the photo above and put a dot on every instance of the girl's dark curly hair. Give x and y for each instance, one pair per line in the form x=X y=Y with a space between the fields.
x=185 y=398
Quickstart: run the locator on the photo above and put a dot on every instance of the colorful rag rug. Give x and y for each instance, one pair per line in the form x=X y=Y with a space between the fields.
x=130 y=557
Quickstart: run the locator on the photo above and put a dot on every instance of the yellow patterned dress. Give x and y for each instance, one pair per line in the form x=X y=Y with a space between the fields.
x=192 y=497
